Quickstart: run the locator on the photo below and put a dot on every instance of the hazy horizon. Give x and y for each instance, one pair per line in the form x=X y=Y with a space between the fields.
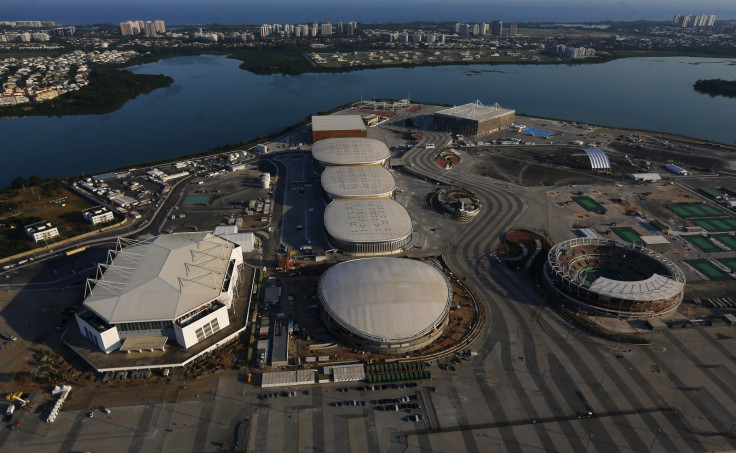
x=80 y=12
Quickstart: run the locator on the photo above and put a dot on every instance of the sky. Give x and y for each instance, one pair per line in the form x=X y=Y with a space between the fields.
x=80 y=12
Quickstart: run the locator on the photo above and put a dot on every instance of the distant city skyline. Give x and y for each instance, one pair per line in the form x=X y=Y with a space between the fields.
x=79 y=12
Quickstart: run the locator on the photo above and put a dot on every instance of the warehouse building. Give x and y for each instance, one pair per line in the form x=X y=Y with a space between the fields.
x=350 y=151
x=367 y=181
x=473 y=119
x=368 y=226
x=335 y=126
x=171 y=287
x=385 y=305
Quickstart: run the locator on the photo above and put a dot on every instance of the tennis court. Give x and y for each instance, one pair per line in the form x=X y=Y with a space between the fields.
x=707 y=268
x=628 y=234
x=730 y=262
x=688 y=211
x=726 y=239
x=589 y=204
x=716 y=225
x=703 y=243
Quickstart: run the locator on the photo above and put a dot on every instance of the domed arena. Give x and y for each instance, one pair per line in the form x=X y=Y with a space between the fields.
x=613 y=278
x=385 y=305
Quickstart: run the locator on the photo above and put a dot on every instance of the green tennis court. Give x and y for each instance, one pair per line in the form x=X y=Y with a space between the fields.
x=691 y=210
x=707 y=268
x=628 y=234
x=704 y=244
x=714 y=225
x=726 y=239
x=589 y=204
x=730 y=262
x=196 y=199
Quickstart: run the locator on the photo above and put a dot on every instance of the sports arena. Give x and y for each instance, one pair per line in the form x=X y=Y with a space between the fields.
x=614 y=278
x=385 y=305
x=349 y=151
x=368 y=226
x=365 y=181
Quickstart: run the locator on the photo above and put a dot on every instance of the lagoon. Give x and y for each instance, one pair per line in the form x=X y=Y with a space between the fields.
x=213 y=102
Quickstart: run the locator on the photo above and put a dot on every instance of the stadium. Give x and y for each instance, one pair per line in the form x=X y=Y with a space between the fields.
x=385 y=305
x=366 y=181
x=473 y=119
x=349 y=151
x=170 y=287
x=613 y=278
x=368 y=226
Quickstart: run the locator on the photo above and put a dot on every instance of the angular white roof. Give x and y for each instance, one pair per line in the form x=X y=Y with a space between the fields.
x=357 y=182
x=386 y=299
x=656 y=287
x=598 y=159
x=367 y=220
x=338 y=123
x=475 y=111
x=350 y=151
x=161 y=278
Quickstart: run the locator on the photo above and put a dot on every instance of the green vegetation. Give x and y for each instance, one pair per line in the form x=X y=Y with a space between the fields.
x=716 y=87
x=109 y=89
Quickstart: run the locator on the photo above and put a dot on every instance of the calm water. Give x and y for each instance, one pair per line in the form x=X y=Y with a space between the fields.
x=213 y=102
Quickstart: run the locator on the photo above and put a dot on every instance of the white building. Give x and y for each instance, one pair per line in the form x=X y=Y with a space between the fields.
x=41 y=231
x=97 y=215
x=176 y=286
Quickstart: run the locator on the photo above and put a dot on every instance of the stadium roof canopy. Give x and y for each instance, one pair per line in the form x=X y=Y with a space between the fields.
x=475 y=111
x=386 y=299
x=365 y=221
x=161 y=278
x=656 y=287
x=337 y=123
x=355 y=182
x=350 y=151
x=598 y=159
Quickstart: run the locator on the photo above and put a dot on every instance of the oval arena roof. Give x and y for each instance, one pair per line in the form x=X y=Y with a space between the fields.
x=386 y=299
x=371 y=220
x=350 y=151
x=357 y=182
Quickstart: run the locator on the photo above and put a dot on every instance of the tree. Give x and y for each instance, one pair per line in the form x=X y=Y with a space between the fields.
x=35 y=181
x=18 y=183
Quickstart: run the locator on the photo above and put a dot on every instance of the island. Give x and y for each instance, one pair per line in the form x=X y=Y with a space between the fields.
x=716 y=87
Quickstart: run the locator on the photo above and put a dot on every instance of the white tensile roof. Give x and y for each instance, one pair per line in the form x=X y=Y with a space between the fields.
x=475 y=111
x=656 y=287
x=337 y=123
x=386 y=299
x=598 y=159
x=350 y=151
x=355 y=182
x=367 y=220
x=161 y=278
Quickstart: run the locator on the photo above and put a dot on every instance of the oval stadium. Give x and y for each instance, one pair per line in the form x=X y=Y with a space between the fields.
x=613 y=278
x=385 y=305
x=365 y=181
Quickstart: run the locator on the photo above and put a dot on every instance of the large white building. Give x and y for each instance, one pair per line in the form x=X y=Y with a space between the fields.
x=364 y=181
x=177 y=286
x=368 y=226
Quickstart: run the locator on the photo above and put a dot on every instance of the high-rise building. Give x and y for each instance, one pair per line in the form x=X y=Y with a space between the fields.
x=476 y=29
x=140 y=25
x=313 y=31
x=326 y=29
x=711 y=20
x=341 y=28
x=685 y=21
x=484 y=29
x=464 y=29
x=676 y=20
x=149 y=29
x=265 y=30
x=496 y=28
x=159 y=26
x=457 y=27
x=512 y=28
x=126 y=28
x=352 y=28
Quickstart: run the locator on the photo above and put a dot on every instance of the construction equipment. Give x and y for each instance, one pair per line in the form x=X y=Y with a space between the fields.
x=16 y=396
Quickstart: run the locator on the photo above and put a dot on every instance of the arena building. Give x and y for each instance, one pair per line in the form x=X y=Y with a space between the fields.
x=175 y=286
x=614 y=278
x=385 y=305
x=366 y=181
x=368 y=226
x=334 y=126
x=473 y=119
x=350 y=151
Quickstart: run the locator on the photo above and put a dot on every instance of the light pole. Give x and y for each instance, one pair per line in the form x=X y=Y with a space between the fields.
x=605 y=367
x=656 y=431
